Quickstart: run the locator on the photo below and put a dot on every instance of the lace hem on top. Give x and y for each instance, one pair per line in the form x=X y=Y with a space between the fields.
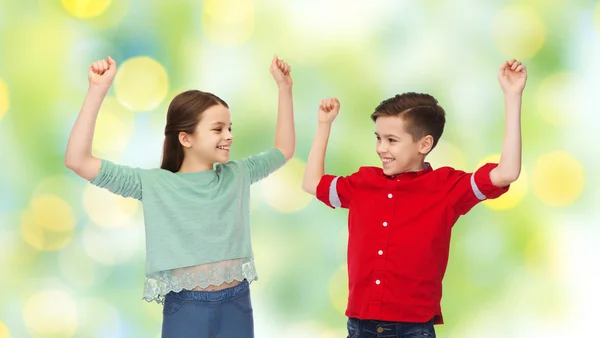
x=159 y=284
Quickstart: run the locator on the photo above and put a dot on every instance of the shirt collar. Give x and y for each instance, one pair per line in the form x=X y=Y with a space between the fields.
x=412 y=174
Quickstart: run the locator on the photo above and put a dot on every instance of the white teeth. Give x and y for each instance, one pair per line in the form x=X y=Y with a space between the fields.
x=223 y=147
x=387 y=160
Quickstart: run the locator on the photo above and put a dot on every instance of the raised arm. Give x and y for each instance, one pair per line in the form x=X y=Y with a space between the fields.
x=285 y=134
x=512 y=77
x=78 y=156
x=315 y=166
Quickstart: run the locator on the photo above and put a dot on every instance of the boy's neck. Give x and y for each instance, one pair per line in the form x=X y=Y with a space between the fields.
x=417 y=167
x=424 y=165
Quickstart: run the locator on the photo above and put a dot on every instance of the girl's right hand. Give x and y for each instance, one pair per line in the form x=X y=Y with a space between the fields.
x=328 y=110
x=101 y=73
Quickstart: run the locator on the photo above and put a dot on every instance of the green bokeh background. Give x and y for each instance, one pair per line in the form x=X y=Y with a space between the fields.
x=72 y=256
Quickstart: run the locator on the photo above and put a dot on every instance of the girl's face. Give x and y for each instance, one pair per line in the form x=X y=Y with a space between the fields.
x=212 y=139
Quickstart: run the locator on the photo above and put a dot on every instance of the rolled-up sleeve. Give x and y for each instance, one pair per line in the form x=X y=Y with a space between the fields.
x=468 y=189
x=119 y=179
x=261 y=165
x=337 y=191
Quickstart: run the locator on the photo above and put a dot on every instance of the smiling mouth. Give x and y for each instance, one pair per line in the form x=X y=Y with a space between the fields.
x=386 y=160
x=223 y=147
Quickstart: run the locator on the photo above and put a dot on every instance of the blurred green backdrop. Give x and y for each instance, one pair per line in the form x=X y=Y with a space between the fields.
x=72 y=255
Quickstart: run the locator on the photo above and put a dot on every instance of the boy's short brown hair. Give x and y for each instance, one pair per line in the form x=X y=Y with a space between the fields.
x=421 y=113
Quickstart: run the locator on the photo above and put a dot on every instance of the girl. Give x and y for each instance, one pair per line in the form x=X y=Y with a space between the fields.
x=196 y=206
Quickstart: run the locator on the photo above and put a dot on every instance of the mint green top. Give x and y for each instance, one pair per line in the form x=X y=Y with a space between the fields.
x=192 y=218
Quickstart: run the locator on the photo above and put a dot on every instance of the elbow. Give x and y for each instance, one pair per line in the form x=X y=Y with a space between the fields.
x=78 y=164
x=512 y=177
x=507 y=179
x=308 y=187
x=72 y=163
x=288 y=153
x=501 y=177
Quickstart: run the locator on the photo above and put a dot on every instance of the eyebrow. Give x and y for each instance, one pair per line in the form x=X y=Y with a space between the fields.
x=221 y=124
x=388 y=135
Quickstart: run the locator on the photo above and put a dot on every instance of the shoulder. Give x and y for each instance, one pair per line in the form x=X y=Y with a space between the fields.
x=367 y=171
x=231 y=167
x=447 y=171
x=448 y=174
x=363 y=173
x=368 y=175
x=156 y=175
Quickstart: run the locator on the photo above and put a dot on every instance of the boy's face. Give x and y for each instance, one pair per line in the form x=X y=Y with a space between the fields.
x=396 y=148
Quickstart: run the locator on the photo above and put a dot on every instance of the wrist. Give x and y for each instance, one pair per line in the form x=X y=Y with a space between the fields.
x=513 y=94
x=98 y=89
x=324 y=125
x=284 y=86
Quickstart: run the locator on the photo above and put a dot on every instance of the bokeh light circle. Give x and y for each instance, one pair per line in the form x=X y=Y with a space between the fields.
x=558 y=178
x=338 y=289
x=85 y=9
x=141 y=83
x=51 y=312
x=515 y=193
x=4 y=332
x=107 y=209
x=48 y=223
x=283 y=189
x=4 y=103
x=518 y=32
x=228 y=22
x=114 y=128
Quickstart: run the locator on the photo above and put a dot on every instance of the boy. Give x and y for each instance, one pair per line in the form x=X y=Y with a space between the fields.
x=401 y=215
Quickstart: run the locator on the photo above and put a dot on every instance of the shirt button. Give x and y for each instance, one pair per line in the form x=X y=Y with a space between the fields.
x=380 y=252
x=378 y=282
x=384 y=224
x=389 y=195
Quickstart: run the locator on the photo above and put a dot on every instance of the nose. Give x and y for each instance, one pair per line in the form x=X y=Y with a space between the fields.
x=381 y=148
x=229 y=136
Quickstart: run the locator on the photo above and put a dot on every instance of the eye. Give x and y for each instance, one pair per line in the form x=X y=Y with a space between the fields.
x=230 y=129
x=378 y=138
x=218 y=129
x=391 y=140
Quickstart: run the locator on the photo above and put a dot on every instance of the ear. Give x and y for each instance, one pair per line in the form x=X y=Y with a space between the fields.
x=185 y=139
x=425 y=144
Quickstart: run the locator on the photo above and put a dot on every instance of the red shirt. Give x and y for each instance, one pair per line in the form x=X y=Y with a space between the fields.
x=399 y=235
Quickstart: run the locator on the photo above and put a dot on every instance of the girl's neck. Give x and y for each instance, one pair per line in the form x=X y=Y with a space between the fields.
x=190 y=165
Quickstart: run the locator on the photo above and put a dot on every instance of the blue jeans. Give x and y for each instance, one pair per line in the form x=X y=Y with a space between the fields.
x=379 y=329
x=225 y=313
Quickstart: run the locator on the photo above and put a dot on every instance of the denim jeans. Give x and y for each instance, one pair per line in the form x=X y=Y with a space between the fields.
x=379 y=329
x=225 y=313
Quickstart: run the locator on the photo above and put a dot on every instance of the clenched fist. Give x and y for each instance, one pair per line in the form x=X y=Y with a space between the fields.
x=328 y=110
x=101 y=73
x=281 y=72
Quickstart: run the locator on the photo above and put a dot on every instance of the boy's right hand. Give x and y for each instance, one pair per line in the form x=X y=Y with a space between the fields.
x=328 y=110
x=102 y=73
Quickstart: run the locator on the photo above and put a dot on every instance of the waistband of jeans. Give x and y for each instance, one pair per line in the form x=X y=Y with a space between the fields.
x=213 y=296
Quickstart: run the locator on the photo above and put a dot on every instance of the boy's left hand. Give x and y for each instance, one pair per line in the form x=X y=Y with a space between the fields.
x=512 y=77
x=281 y=72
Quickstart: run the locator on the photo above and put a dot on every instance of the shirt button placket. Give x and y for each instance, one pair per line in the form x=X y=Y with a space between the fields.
x=380 y=271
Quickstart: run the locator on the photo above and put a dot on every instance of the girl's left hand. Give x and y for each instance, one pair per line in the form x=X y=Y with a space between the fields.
x=281 y=72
